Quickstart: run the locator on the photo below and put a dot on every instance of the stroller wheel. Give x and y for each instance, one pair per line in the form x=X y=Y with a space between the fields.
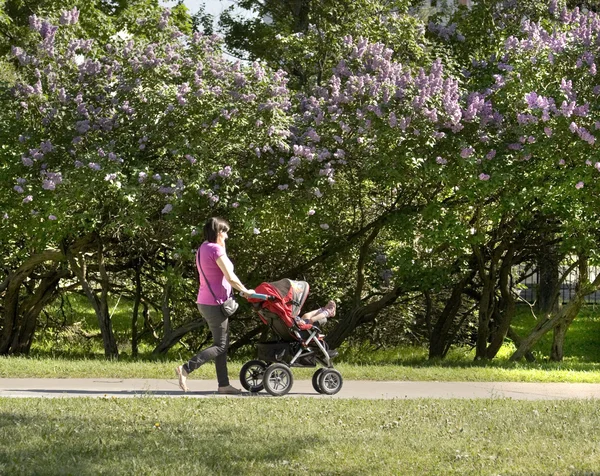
x=251 y=375
x=315 y=380
x=278 y=379
x=330 y=381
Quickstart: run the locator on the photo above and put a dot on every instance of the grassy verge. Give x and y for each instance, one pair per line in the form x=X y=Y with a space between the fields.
x=268 y=436
x=19 y=367
x=64 y=357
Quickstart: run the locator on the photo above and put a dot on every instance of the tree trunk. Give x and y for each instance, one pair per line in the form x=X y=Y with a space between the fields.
x=556 y=352
x=560 y=331
x=31 y=307
x=486 y=310
x=166 y=309
x=136 y=308
x=505 y=310
x=565 y=315
x=549 y=288
x=441 y=330
x=78 y=266
x=359 y=315
x=174 y=336
x=13 y=285
x=512 y=335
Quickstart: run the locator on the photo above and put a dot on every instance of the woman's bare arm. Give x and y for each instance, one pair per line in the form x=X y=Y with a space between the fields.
x=226 y=266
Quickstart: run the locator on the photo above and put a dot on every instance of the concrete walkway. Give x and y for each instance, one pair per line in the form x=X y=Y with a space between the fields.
x=104 y=387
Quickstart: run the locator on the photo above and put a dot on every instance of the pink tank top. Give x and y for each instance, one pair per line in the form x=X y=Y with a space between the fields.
x=207 y=256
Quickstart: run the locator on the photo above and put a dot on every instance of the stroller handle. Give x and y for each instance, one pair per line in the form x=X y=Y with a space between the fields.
x=262 y=297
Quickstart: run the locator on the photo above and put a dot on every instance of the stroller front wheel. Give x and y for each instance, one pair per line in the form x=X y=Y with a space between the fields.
x=278 y=379
x=330 y=381
x=252 y=375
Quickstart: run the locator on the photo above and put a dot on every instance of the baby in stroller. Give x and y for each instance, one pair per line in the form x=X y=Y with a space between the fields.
x=300 y=342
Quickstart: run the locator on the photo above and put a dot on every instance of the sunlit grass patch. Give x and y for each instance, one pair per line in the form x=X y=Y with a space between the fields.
x=256 y=436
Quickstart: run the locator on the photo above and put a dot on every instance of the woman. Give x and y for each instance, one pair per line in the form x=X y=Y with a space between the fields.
x=216 y=280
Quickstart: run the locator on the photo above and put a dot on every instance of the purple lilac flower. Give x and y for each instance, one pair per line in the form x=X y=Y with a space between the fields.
x=491 y=154
x=18 y=189
x=48 y=185
x=579 y=185
x=466 y=152
x=51 y=217
x=225 y=172
x=27 y=162
x=94 y=166
x=110 y=177
x=441 y=161
x=46 y=147
x=561 y=162
x=69 y=17
x=484 y=177
x=311 y=212
x=28 y=199
x=585 y=135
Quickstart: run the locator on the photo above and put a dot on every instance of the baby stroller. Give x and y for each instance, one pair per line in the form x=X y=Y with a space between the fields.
x=297 y=344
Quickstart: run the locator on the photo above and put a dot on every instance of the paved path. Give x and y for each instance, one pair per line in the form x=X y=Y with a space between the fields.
x=108 y=387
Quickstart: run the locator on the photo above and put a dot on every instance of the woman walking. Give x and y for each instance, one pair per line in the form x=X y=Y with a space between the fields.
x=217 y=278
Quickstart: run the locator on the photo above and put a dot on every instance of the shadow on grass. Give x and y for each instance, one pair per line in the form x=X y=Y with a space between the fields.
x=103 y=444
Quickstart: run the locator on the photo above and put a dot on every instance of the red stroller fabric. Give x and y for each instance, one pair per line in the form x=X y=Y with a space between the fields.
x=289 y=298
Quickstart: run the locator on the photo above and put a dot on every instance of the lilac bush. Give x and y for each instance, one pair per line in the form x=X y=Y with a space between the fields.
x=95 y=121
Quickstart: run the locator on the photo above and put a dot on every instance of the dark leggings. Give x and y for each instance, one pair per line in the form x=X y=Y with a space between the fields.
x=219 y=327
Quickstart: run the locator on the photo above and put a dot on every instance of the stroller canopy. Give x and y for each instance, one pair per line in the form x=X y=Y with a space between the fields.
x=290 y=295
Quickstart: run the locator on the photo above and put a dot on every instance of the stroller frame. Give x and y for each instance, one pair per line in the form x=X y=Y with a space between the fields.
x=296 y=341
x=320 y=353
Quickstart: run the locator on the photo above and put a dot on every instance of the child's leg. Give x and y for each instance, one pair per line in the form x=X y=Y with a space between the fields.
x=318 y=314
x=310 y=315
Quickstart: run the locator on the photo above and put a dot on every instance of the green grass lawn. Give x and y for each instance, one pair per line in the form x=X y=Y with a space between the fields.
x=63 y=359
x=257 y=436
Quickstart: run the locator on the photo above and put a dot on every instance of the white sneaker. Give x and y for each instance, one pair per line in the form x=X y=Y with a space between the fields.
x=182 y=375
